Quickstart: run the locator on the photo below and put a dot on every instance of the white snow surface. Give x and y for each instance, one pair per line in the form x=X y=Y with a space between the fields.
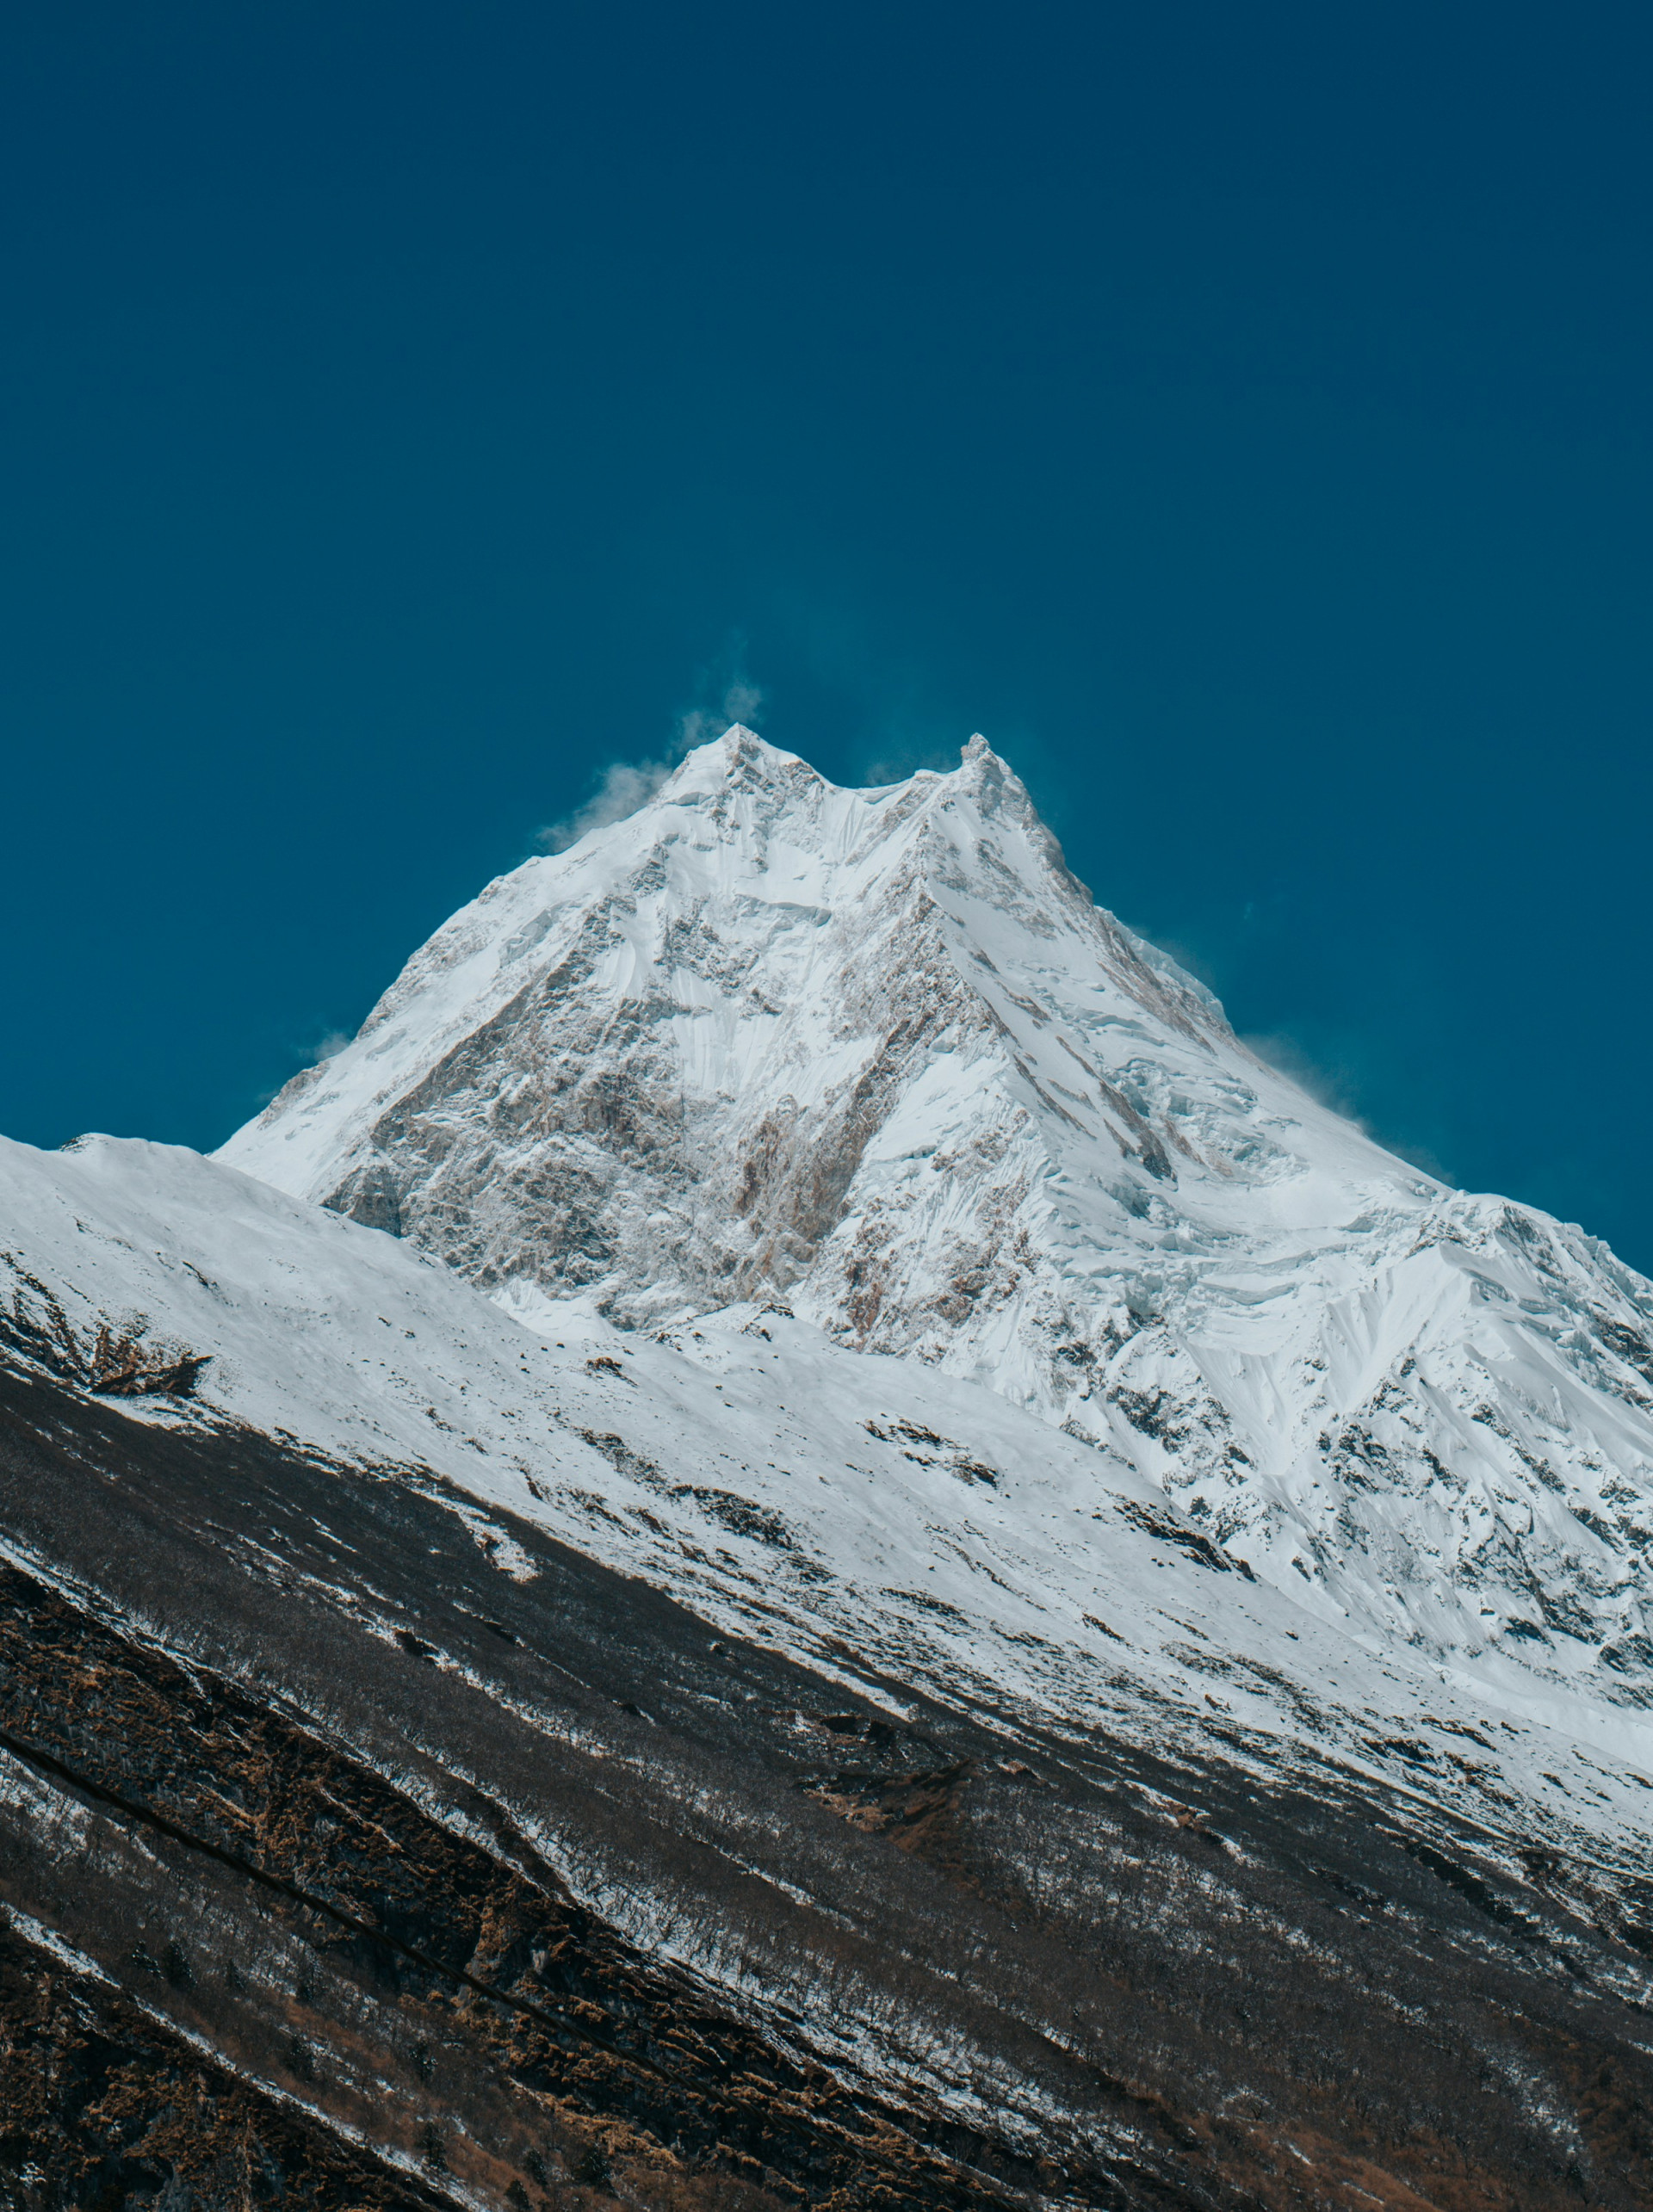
x=885 y=1522
x=877 y=1054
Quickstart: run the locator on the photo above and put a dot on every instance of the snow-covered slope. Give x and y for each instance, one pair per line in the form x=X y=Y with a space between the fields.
x=874 y=1517
x=877 y=1054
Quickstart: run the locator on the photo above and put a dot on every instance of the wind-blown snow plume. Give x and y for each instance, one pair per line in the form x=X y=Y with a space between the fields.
x=621 y=788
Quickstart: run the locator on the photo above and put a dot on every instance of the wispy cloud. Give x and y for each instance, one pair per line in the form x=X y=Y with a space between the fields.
x=897 y=760
x=622 y=787
x=313 y=1053
x=1339 y=1088
x=1327 y=1086
x=729 y=695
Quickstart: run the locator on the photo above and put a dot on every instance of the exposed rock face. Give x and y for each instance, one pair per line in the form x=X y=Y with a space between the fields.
x=879 y=1054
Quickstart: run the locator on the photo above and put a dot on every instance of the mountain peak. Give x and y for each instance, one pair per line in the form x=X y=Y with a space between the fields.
x=741 y=747
x=739 y=757
x=991 y=780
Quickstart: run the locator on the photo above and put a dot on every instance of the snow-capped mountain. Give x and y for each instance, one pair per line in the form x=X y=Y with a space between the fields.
x=873 y=1569
x=878 y=1054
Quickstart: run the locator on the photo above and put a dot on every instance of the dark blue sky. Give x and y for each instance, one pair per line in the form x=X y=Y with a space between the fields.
x=1239 y=414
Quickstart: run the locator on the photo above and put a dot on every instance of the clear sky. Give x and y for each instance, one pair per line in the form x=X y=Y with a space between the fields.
x=1239 y=413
